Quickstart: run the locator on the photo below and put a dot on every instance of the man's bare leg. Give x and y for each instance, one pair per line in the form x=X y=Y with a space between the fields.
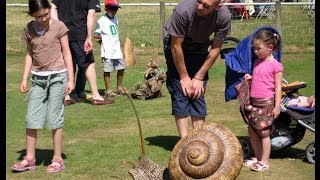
x=92 y=80
x=182 y=125
x=197 y=121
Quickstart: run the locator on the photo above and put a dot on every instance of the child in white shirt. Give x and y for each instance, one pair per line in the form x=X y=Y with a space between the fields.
x=111 y=54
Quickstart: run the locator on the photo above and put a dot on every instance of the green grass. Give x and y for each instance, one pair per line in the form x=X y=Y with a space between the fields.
x=98 y=138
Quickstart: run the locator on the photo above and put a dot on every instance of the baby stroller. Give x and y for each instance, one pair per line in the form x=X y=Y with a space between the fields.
x=291 y=125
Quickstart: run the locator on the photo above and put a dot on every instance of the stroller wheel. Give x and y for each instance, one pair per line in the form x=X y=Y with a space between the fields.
x=311 y=152
x=247 y=149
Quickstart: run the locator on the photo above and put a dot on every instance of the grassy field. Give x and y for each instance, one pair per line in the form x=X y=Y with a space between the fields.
x=98 y=138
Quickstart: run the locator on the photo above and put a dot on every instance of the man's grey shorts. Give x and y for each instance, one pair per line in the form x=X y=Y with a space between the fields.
x=182 y=105
x=45 y=101
x=110 y=64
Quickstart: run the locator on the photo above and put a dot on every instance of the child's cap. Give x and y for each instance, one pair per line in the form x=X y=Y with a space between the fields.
x=114 y=3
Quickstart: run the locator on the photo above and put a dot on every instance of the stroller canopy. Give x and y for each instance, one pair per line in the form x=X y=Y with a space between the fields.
x=240 y=61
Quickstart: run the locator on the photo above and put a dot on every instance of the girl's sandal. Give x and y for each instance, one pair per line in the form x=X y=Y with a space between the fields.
x=258 y=166
x=249 y=162
x=19 y=167
x=56 y=166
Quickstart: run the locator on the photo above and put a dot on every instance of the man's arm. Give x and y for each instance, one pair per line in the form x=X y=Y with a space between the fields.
x=54 y=12
x=211 y=58
x=178 y=59
x=90 y=27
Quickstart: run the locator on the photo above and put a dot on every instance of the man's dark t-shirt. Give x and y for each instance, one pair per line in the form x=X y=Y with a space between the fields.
x=196 y=30
x=74 y=15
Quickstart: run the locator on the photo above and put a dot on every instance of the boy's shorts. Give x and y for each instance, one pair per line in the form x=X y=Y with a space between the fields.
x=79 y=57
x=182 y=105
x=45 y=101
x=110 y=64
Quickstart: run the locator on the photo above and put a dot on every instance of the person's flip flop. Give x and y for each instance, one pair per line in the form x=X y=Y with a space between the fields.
x=249 y=162
x=258 y=166
x=54 y=168
x=19 y=167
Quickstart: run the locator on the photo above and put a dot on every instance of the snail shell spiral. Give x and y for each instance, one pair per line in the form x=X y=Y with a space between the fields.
x=208 y=152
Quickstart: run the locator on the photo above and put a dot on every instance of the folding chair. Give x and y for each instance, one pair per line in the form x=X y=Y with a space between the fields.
x=309 y=7
x=311 y=11
x=248 y=10
x=266 y=10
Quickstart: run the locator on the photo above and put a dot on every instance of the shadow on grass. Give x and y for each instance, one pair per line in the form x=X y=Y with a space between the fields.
x=102 y=92
x=42 y=156
x=166 y=142
x=289 y=152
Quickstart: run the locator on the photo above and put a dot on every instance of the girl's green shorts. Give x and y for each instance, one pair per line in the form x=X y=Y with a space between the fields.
x=45 y=101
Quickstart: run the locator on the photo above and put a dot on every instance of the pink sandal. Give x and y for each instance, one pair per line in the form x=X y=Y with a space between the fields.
x=52 y=168
x=249 y=162
x=19 y=167
x=258 y=166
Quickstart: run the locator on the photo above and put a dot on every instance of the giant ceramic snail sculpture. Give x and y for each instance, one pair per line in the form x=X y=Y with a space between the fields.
x=208 y=152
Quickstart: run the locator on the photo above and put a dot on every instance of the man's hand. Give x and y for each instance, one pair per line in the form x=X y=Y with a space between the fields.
x=198 y=88
x=90 y=23
x=88 y=46
x=186 y=86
